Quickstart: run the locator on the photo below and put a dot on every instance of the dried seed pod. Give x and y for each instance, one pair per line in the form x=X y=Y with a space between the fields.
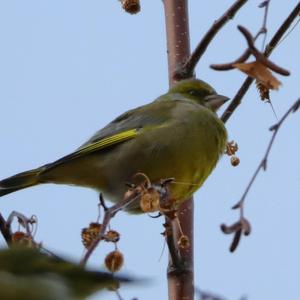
x=21 y=239
x=231 y=148
x=264 y=92
x=112 y=236
x=184 y=242
x=260 y=72
x=89 y=234
x=149 y=201
x=17 y=236
x=234 y=160
x=114 y=261
x=131 y=6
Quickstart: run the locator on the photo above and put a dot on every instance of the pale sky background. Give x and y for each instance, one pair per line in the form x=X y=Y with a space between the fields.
x=68 y=67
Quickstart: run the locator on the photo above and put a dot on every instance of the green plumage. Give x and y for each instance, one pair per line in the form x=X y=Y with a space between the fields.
x=177 y=135
x=25 y=273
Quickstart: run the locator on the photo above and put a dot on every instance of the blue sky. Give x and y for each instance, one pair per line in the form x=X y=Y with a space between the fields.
x=67 y=68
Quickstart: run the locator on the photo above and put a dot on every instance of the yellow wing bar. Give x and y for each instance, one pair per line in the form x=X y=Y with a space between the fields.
x=108 y=141
x=98 y=145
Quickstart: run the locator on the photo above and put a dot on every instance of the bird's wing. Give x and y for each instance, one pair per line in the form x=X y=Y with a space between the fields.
x=107 y=142
x=146 y=115
x=100 y=145
x=125 y=127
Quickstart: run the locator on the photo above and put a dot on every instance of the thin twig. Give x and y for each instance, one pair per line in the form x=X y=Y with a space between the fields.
x=230 y=66
x=282 y=30
x=22 y=220
x=290 y=31
x=243 y=57
x=236 y=101
x=251 y=50
x=263 y=163
x=260 y=56
x=187 y=69
x=5 y=225
x=177 y=262
x=243 y=225
x=5 y=230
x=109 y=213
x=265 y=4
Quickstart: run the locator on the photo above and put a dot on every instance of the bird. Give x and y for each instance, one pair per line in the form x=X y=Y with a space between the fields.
x=27 y=273
x=178 y=135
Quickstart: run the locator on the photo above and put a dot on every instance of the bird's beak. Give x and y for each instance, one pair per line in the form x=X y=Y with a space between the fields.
x=215 y=101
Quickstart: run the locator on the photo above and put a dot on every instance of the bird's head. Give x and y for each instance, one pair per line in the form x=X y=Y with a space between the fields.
x=200 y=92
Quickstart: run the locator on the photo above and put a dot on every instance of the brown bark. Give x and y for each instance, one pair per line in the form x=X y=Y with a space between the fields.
x=180 y=277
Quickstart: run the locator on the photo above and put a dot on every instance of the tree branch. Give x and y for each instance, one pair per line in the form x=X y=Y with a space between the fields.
x=187 y=69
x=180 y=277
x=109 y=213
x=243 y=225
x=5 y=230
x=260 y=57
x=236 y=101
x=263 y=163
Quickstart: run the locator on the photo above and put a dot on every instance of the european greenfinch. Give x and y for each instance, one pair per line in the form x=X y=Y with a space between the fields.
x=178 y=135
x=26 y=273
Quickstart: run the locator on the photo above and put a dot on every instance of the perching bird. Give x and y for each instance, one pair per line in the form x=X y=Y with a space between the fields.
x=178 y=135
x=26 y=273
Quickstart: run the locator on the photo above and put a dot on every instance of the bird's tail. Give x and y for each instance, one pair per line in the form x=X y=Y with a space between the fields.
x=19 y=181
